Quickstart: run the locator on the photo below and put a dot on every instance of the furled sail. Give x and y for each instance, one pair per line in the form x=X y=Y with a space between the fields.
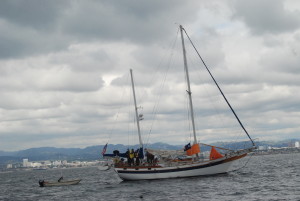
x=166 y=153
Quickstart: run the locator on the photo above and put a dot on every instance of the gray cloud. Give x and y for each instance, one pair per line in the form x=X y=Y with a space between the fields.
x=267 y=16
x=64 y=70
x=135 y=21
x=30 y=27
x=35 y=14
x=17 y=41
x=37 y=27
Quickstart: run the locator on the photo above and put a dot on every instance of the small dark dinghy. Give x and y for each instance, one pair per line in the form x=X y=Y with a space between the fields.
x=60 y=182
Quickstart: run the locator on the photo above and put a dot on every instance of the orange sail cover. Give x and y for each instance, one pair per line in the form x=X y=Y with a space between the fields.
x=193 y=150
x=214 y=154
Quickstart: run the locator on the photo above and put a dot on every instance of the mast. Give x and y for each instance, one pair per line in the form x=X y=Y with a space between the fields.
x=136 y=110
x=188 y=85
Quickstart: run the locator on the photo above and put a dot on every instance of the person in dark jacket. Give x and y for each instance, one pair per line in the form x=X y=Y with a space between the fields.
x=150 y=158
x=128 y=158
x=137 y=158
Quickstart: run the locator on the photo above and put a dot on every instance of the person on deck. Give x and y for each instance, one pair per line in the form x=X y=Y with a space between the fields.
x=128 y=158
x=150 y=158
x=137 y=158
x=131 y=156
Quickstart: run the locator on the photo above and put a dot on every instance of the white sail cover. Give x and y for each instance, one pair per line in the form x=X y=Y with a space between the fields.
x=166 y=153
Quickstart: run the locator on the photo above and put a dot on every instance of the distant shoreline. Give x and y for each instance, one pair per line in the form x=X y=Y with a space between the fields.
x=273 y=151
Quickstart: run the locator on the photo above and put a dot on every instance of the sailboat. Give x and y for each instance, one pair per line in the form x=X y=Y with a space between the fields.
x=190 y=166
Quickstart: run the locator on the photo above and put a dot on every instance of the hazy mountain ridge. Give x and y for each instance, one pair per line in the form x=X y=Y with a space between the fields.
x=94 y=152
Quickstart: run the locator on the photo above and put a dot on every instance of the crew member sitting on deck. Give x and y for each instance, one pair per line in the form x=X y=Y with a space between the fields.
x=150 y=158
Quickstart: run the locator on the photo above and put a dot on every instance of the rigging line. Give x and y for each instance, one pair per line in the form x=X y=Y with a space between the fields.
x=212 y=101
x=152 y=80
x=220 y=89
x=154 y=111
x=155 y=108
x=216 y=147
x=118 y=111
x=243 y=165
x=131 y=118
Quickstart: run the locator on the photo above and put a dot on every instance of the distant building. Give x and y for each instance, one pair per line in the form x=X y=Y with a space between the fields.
x=56 y=163
x=26 y=163
x=262 y=148
x=297 y=144
x=9 y=166
x=35 y=164
x=47 y=163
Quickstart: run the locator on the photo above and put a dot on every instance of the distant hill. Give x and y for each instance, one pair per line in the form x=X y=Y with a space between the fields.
x=94 y=152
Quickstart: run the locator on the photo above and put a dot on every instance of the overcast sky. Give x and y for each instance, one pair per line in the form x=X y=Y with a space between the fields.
x=64 y=69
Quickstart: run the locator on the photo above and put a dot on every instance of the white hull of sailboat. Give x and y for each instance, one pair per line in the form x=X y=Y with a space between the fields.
x=196 y=169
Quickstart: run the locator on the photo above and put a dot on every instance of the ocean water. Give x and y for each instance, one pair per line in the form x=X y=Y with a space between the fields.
x=268 y=177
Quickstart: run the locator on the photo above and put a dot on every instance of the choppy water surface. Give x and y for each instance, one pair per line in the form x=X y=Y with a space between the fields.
x=271 y=177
